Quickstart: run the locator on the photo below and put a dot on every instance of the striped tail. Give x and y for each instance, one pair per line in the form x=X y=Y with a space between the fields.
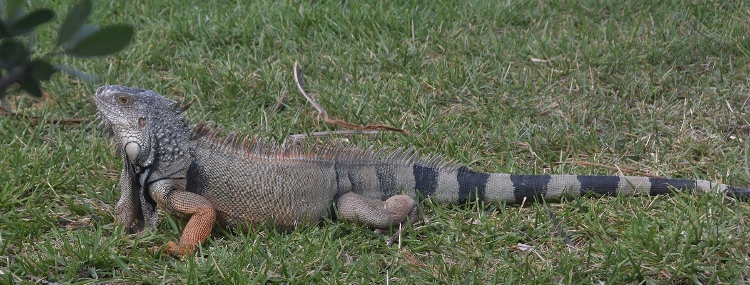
x=463 y=185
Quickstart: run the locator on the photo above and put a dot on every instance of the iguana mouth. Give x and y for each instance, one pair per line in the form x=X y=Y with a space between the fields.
x=103 y=122
x=104 y=125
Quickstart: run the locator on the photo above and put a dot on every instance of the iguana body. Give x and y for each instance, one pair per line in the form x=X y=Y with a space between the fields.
x=193 y=172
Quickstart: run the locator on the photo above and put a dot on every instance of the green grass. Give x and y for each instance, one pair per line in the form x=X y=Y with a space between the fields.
x=655 y=87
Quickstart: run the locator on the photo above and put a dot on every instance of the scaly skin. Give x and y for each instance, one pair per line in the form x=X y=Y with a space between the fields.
x=236 y=182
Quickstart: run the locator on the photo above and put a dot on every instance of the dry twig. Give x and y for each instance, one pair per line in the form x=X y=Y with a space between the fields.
x=35 y=119
x=338 y=133
x=323 y=114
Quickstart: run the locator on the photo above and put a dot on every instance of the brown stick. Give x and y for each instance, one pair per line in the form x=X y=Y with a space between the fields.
x=338 y=133
x=35 y=119
x=323 y=114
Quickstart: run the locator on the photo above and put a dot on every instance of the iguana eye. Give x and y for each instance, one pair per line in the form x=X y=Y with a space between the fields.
x=123 y=100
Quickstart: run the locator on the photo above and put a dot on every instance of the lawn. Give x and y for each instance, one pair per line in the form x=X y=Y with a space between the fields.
x=528 y=87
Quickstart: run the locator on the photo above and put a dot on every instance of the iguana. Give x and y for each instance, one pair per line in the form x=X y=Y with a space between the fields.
x=194 y=172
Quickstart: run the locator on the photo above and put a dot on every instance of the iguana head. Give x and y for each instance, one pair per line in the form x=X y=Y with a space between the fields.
x=142 y=120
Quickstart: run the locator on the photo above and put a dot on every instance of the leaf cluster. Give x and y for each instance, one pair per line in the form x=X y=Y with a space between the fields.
x=18 y=63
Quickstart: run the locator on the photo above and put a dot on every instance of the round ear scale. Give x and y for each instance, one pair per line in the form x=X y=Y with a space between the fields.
x=132 y=149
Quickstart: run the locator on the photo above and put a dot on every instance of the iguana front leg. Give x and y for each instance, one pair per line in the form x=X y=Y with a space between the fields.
x=202 y=216
x=376 y=214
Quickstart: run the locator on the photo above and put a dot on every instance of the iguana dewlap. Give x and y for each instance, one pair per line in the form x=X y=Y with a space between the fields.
x=193 y=172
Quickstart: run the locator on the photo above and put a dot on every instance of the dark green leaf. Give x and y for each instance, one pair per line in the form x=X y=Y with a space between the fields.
x=29 y=22
x=83 y=32
x=31 y=85
x=42 y=70
x=3 y=30
x=74 y=21
x=12 y=52
x=76 y=73
x=103 y=42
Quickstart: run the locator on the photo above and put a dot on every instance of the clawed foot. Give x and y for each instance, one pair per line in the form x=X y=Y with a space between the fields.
x=397 y=205
x=173 y=249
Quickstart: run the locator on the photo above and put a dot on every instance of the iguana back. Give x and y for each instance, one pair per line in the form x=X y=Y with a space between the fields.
x=251 y=182
x=194 y=172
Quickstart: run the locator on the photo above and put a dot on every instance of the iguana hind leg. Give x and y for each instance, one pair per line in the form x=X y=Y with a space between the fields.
x=396 y=210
